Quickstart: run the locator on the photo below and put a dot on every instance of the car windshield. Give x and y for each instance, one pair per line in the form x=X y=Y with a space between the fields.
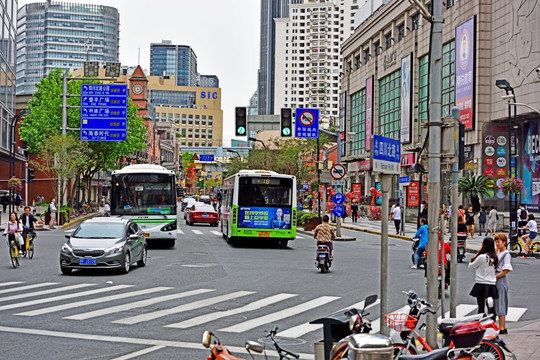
x=204 y=208
x=97 y=230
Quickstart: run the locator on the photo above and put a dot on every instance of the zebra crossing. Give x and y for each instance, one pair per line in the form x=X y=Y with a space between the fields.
x=255 y=309
x=213 y=232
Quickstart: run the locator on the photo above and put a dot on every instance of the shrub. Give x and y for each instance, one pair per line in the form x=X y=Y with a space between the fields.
x=305 y=217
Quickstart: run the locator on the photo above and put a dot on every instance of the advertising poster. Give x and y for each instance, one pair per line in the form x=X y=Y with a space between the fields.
x=465 y=71
x=413 y=194
x=378 y=199
x=531 y=166
x=369 y=111
x=264 y=218
x=406 y=70
x=357 y=191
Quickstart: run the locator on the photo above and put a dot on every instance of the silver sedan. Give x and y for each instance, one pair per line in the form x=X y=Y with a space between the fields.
x=104 y=243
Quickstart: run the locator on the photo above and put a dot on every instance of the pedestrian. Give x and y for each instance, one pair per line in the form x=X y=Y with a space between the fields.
x=324 y=234
x=422 y=214
x=422 y=234
x=354 y=211
x=5 y=202
x=505 y=266
x=493 y=217
x=52 y=212
x=522 y=217
x=484 y=262
x=469 y=221
x=482 y=218
x=391 y=211
x=532 y=226
x=396 y=215
x=18 y=201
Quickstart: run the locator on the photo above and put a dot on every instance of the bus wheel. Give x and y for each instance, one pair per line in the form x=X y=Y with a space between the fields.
x=283 y=243
x=171 y=242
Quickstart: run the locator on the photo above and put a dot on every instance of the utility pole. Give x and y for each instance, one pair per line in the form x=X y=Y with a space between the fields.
x=453 y=232
x=386 y=181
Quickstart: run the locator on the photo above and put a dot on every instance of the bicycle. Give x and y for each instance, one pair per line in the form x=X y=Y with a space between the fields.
x=14 y=253
x=517 y=245
x=29 y=243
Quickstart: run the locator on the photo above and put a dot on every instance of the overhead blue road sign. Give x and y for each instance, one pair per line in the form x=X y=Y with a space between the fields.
x=338 y=210
x=338 y=198
x=386 y=155
x=206 y=157
x=307 y=123
x=103 y=112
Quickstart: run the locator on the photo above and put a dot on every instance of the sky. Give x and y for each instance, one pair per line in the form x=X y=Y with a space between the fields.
x=223 y=33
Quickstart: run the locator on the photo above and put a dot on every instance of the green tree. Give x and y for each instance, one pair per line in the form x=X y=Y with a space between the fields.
x=475 y=188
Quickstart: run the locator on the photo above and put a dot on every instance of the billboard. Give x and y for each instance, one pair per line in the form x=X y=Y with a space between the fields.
x=465 y=71
x=531 y=166
x=406 y=98
x=413 y=194
x=264 y=218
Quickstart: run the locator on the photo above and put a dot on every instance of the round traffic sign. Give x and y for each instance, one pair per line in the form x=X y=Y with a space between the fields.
x=338 y=198
x=307 y=118
x=338 y=210
x=338 y=172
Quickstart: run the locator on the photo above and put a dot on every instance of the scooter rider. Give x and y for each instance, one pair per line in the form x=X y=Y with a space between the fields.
x=422 y=233
x=324 y=234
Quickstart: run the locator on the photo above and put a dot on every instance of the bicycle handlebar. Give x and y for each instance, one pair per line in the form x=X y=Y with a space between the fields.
x=279 y=349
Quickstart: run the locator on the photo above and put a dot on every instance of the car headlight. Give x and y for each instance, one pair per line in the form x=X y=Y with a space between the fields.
x=115 y=249
x=66 y=248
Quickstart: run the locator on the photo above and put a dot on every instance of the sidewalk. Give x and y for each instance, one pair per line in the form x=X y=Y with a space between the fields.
x=4 y=217
x=523 y=338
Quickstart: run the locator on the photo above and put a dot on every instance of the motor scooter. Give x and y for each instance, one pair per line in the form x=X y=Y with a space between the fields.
x=220 y=352
x=322 y=258
x=422 y=258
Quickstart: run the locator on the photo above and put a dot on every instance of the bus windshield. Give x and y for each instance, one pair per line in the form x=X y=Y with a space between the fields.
x=143 y=194
x=265 y=191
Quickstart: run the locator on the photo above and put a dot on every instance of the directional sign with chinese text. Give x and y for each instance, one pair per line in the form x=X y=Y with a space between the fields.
x=386 y=156
x=206 y=158
x=307 y=123
x=103 y=112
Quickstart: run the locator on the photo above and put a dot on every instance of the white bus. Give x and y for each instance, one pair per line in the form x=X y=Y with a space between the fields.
x=146 y=194
x=259 y=204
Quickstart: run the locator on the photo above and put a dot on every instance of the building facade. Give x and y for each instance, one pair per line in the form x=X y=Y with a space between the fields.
x=386 y=81
x=168 y=59
x=63 y=35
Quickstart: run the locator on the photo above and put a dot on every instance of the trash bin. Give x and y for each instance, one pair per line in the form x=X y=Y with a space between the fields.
x=370 y=347
x=335 y=327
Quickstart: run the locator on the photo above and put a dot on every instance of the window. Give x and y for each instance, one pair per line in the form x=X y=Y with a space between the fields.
x=378 y=47
x=210 y=119
x=401 y=32
x=366 y=55
x=415 y=21
x=358 y=122
x=170 y=117
x=183 y=119
x=204 y=119
x=177 y=118
x=389 y=106
x=163 y=116
x=388 y=40
x=423 y=83
x=190 y=119
x=448 y=77
x=197 y=119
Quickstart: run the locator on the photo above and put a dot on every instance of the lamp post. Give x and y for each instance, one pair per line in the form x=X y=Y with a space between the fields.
x=12 y=153
x=512 y=131
x=236 y=152
x=264 y=145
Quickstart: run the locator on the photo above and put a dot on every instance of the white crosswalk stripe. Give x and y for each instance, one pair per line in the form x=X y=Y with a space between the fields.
x=27 y=287
x=44 y=292
x=185 y=307
x=197 y=232
x=9 y=283
x=71 y=295
x=515 y=313
x=279 y=315
x=216 y=232
x=93 y=301
x=178 y=231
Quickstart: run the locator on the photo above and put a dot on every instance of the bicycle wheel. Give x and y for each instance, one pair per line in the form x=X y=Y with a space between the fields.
x=13 y=254
x=488 y=350
x=30 y=249
x=515 y=246
x=399 y=349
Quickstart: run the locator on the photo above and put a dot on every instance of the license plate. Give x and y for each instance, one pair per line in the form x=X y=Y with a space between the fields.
x=205 y=215
x=86 y=261
x=322 y=256
x=264 y=233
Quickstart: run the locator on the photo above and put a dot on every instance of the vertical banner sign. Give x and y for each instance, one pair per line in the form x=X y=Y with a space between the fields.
x=531 y=166
x=465 y=72
x=369 y=111
x=342 y=121
x=406 y=98
x=357 y=191
x=413 y=194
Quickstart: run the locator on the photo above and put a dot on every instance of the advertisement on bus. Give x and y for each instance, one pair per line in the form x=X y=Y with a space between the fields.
x=264 y=218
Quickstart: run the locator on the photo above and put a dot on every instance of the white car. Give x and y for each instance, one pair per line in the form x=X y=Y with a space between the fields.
x=188 y=202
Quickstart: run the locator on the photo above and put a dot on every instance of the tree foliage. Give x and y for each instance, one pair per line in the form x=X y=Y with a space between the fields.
x=475 y=188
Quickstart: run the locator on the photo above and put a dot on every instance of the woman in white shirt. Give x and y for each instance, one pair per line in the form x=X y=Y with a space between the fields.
x=533 y=231
x=484 y=262
x=505 y=266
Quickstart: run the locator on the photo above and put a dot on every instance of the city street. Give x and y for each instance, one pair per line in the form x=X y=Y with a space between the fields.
x=161 y=311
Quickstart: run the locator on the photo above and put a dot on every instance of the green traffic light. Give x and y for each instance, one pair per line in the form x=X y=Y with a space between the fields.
x=241 y=130
x=286 y=131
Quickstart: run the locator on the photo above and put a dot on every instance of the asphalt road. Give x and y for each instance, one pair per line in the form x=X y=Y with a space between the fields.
x=161 y=311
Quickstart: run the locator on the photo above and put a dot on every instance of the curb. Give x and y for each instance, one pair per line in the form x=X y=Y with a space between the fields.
x=80 y=219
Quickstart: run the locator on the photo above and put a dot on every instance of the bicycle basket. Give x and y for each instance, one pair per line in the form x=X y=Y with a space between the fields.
x=400 y=321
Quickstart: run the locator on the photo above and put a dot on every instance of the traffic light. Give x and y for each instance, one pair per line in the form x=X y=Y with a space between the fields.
x=241 y=121
x=30 y=174
x=461 y=140
x=286 y=122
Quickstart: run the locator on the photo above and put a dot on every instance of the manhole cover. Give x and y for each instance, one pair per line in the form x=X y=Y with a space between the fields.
x=282 y=341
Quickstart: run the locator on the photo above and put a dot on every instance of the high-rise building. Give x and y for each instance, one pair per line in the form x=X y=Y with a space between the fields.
x=167 y=59
x=7 y=74
x=208 y=81
x=63 y=35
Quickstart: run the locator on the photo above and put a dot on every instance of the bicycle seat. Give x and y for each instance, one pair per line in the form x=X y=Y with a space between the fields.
x=432 y=355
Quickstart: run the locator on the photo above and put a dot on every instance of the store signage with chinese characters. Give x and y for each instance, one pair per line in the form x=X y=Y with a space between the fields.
x=407 y=159
x=413 y=194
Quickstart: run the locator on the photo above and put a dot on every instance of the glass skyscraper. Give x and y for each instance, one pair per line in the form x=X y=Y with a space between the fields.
x=167 y=59
x=63 y=35
x=7 y=73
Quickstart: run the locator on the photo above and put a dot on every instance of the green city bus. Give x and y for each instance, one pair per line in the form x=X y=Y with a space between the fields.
x=259 y=204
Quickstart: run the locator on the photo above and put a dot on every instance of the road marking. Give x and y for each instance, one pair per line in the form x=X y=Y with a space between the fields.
x=300 y=237
x=11 y=283
x=218 y=315
x=92 y=301
x=27 y=287
x=62 y=297
x=273 y=317
x=45 y=292
x=185 y=307
x=136 y=304
x=197 y=232
x=178 y=231
x=139 y=353
x=217 y=233
x=134 y=341
x=462 y=310
x=515 y=313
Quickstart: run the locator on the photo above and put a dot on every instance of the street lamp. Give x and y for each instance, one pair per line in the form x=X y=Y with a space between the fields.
x=12 y=153
x=263 y=144
x=236 y=152
x=505 y=85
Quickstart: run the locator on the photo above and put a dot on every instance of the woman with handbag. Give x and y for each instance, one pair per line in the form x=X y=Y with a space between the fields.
x=14 y=231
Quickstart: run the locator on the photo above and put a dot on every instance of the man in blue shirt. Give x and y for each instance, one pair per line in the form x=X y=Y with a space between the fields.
x=422 y=233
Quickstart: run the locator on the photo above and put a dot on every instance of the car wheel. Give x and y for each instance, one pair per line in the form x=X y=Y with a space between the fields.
x=65 y=270
x=127 y=263
x=144 y=258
